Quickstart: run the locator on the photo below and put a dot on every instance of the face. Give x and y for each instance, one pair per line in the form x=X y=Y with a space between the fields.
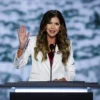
x=53 y=27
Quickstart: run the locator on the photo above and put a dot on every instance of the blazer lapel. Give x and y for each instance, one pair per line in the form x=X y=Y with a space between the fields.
x=47 y=62
x=57 y=57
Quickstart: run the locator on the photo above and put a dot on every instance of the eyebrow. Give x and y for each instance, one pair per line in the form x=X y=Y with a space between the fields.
x=55 y=22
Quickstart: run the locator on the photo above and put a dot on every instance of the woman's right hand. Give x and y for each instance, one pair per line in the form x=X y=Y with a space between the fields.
x=23 y=37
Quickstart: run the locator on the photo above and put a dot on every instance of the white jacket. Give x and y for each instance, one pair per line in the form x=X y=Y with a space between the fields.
x=41 y=70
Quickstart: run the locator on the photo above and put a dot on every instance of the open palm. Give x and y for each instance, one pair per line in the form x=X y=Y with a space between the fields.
x=23 y=37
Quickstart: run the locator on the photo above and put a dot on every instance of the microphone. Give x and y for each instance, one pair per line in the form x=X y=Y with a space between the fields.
x=52 y=47
x=51 y=54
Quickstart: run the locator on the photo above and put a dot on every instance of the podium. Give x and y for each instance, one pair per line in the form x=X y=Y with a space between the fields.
x=77 y=90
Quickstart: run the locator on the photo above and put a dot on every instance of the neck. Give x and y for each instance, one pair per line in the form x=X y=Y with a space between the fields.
x=51 y=40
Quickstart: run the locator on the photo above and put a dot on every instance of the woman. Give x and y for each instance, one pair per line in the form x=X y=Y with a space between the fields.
x=55 y=63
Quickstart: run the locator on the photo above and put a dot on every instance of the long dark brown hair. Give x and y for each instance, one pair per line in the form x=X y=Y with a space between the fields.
x=61 y=38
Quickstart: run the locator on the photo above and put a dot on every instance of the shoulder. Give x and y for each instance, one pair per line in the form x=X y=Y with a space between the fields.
x=32 y=40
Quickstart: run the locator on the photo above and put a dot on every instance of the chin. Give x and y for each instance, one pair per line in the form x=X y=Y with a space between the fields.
x=52 y=36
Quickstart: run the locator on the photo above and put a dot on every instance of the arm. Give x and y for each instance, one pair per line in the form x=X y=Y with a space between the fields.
x=23 y=59
x=70 y=68
x=21 y=56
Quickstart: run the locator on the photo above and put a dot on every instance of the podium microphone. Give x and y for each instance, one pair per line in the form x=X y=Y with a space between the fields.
x=52 y=47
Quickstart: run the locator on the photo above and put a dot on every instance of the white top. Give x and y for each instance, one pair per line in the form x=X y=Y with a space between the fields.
x=41 y=70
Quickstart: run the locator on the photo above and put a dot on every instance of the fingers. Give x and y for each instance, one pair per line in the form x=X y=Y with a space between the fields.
x=22 y=29
x=62 y=79
x=55 y=80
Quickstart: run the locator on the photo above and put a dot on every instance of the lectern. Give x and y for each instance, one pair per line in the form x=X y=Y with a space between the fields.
x=76 y=90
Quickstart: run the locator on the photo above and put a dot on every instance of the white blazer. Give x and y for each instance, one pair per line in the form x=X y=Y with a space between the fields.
x=41 y=70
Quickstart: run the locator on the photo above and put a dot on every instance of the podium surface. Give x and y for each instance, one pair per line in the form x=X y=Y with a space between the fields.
x=74 y=89
x=51 y=86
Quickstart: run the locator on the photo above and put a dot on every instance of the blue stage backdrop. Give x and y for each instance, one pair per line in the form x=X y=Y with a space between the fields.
x=83 y=24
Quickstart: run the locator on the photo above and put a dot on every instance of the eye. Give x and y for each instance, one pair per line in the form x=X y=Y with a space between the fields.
x=57 y=23
x=49 y=23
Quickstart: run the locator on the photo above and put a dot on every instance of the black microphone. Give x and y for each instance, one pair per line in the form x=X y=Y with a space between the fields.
x=52 y=47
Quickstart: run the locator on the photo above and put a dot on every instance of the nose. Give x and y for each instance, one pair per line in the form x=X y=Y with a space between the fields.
x=52 y=26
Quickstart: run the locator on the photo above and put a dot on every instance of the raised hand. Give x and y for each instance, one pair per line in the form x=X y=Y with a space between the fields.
x=23 y=37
